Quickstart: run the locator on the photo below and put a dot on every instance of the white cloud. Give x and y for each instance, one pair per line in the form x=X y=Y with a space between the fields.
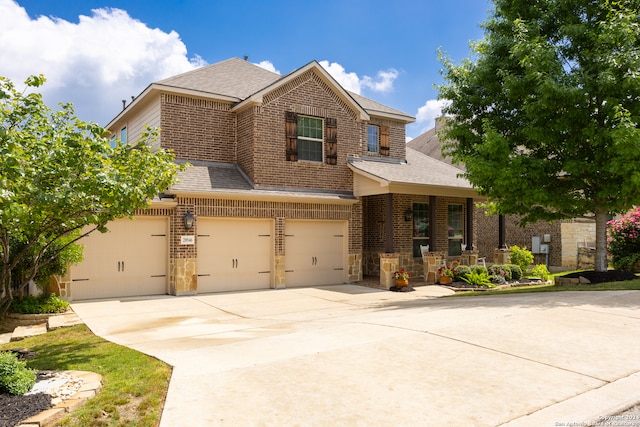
x=94 y=63
x=384 y=82
x=267 y=65
x=428 y=113
x=350 y=81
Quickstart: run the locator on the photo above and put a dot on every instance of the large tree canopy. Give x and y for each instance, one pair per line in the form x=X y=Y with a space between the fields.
x=545 y=114
x=60 y=180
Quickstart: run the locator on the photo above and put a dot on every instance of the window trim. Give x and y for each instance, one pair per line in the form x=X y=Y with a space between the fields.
x=311 y=139
x=377 y=147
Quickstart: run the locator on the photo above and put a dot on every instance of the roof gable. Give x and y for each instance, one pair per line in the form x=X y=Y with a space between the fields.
x=315 y=67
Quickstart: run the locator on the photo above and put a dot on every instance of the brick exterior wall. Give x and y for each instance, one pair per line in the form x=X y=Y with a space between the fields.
x=198 y=129
x=305 y=95
x=519 y=236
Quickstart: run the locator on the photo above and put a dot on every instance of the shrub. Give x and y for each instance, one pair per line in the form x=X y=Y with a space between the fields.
x=461 y=272
x=479 y=269
x=478 y=278
x=541 y=271
x=521 y=257
x=516 y=271
x=15 y=377
x=39 y=304
x=623 y=240
x=499 y=273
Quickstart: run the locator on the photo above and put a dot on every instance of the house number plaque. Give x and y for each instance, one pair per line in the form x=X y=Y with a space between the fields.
x=187 y=240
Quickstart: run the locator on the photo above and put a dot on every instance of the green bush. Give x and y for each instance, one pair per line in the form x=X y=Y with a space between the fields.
x=15 y=377
x=38 y=304
x=461 y=272
x=516 y=271
x=521 y=257
x=479 y=269
x=541 y=271
x=478 y=278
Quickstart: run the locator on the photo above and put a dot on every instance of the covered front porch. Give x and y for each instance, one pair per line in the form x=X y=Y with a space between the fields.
x=406 y=205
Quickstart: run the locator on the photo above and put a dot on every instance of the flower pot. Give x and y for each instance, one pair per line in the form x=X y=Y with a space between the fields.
x=445 y=280
x=400 y=283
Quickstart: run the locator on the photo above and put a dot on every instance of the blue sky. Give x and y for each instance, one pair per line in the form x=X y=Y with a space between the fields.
x=96 y=53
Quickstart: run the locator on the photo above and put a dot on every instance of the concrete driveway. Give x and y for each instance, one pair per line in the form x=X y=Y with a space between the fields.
x=355 y=356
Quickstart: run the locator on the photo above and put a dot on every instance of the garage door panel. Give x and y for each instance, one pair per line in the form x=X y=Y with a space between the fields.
x=234 y=254
x=315 y=252
x=128 y=260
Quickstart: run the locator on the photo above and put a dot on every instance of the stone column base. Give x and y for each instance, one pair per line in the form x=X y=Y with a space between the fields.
x=389 y=263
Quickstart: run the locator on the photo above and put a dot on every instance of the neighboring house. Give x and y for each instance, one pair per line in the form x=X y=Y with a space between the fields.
x=563 y=237
x=294 y=181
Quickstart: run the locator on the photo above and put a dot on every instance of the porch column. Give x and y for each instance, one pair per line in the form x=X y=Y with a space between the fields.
x=469 y=232
x=432 y=224
x=502 y=241
x=388 y=224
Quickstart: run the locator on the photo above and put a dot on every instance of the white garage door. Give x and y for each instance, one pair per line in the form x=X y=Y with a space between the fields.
x=234 y=254
x=129 y=260
x=315 y=252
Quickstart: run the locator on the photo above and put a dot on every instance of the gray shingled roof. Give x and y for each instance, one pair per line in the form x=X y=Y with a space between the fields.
x=233 y=77
x=210 y=178
x=419 y=169
x=240 y=79
x=428 y=143
x=372 y=106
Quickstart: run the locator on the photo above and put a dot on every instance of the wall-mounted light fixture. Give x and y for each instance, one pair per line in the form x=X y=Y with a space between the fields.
x=189 y=219
x=408 y=215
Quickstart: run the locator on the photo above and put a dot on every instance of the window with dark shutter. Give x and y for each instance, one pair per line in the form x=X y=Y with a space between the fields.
x=384 y=140
x=332 y=141
x=291 y=130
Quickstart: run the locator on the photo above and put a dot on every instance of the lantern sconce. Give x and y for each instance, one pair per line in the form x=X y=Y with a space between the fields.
x=189 y=219
x=408 y=215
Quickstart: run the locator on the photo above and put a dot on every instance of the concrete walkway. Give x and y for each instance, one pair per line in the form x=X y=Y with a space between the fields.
x=355 y=356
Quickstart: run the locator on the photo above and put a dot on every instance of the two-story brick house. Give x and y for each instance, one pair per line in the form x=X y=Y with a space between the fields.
x=294 y=181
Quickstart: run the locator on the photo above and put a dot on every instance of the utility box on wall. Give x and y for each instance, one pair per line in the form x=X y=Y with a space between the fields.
x=535 y=245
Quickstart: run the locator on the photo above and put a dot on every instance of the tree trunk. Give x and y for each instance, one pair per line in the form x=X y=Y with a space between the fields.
x=601 y=240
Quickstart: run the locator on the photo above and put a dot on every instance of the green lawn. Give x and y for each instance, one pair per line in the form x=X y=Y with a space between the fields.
x=134 y=384
x=610 y=286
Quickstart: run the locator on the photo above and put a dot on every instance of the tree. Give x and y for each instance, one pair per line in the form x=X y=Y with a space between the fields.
x=545 y=115
x=60 y=180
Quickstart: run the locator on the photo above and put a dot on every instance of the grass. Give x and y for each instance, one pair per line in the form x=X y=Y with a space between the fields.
x=134 y=385
x=627 y=285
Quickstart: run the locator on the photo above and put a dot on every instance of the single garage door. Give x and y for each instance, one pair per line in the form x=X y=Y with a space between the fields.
x=128 y=260
x=315 y=252
x=234 y=254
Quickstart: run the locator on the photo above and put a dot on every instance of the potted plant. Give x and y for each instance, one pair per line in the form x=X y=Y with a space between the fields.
x=402 y=278
x=446 y=274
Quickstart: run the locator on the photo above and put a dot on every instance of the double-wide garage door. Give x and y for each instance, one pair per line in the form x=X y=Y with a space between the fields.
x=129 y=260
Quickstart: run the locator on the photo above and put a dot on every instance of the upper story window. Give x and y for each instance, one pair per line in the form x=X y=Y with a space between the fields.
x=310 y=139
x=112 y=142
x=123 y=135
x=373 y=138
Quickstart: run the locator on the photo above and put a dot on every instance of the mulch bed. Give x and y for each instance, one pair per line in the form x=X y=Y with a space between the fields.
x=14 y=409
x=603 y=276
